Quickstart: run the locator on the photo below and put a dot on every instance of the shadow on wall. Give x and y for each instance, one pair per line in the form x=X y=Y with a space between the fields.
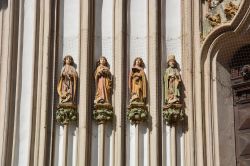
x=98 y=30
x=3 y=4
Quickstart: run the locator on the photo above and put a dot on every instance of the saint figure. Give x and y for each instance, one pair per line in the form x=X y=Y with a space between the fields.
x=172 y=81
x=138 y=82
x=66 y=87
x=103 y=81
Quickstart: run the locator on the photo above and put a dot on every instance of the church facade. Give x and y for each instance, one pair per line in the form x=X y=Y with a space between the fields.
x=125 y=83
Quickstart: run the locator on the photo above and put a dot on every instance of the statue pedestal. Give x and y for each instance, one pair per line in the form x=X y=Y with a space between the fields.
x=66 y=113
x=137 y=112
x=103 y=112
x=173 y=113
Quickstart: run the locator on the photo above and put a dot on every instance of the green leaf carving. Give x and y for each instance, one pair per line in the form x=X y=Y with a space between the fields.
x=66 y=115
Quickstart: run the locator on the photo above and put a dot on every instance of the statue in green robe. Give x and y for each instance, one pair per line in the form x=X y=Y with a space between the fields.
x=171 y=82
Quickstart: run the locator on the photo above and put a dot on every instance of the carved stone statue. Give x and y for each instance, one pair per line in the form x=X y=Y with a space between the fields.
x=138 y=92
x=103 y=80
x=172 y=109
x=172 y=81
x=66 y=89
x=138 y=82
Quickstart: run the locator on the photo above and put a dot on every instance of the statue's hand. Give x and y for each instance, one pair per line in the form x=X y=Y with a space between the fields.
x=63 y=96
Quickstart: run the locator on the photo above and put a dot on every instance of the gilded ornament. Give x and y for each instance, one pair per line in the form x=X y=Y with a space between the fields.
x=230 y=10
x=214 y=20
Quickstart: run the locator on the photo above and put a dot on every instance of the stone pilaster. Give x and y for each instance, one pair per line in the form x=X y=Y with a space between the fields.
x=44 y=71
x=120 y=85
x=154 y=81
x=85 y=75
x=8 y=66
x=187 y=77
x=198 y=114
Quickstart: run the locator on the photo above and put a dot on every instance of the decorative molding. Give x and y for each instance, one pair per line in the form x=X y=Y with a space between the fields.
x=214 y=20
x=219 y=14
x=206 y=76
x=230 y=10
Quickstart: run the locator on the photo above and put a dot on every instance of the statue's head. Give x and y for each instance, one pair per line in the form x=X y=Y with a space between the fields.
x=171 y=61
x=102 y=61
x=139 y=62
x=68 y=60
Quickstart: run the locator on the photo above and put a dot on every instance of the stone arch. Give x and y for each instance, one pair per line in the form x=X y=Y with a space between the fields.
x=213 y=76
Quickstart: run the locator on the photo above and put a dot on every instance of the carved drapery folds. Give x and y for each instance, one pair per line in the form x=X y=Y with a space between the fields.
x=137 y=110
x=66 y=111
x=103 y=110
x=172 y=109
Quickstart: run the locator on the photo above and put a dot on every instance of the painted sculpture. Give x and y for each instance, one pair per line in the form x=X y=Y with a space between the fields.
x=137 y=110
x=214 y=20
x=172 y=109
x=103 y=110
x=66 y=88
x=230 y=10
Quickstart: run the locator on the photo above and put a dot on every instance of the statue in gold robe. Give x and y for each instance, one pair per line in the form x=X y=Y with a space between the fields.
x=138 y=82
x=103 y=81
x=67 y=84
